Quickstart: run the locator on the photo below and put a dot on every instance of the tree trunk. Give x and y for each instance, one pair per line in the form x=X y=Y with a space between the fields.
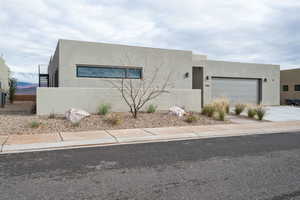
x=135 y=114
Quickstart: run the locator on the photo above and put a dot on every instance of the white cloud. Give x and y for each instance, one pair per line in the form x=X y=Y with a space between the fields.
x=257 y=31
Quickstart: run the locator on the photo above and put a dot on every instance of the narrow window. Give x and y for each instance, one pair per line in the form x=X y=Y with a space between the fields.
x=134 y=73
x=297 y=87
x=285 y=88
x=108 y=72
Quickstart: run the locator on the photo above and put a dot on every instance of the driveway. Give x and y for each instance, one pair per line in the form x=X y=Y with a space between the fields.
x=282 y=113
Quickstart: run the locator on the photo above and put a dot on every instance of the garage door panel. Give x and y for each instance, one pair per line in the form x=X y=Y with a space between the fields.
x=236 y=90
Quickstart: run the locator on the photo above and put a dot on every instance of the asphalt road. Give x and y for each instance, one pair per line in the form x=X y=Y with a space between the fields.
x=263 y=167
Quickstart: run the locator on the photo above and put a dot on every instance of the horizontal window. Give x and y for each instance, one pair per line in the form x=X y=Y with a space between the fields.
x=108 y=72
x=297 y=87
x=134 y=73
x=285 y=88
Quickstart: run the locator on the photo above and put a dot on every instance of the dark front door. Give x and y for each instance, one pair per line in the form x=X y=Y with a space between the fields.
x=197 y=82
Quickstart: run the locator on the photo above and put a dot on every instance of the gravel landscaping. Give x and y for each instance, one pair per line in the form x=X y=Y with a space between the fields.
x=26 y=123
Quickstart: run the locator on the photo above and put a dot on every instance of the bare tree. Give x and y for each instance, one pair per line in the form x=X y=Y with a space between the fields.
x=136 y=93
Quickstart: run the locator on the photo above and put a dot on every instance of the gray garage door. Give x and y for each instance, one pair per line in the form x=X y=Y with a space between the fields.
x=237 y=90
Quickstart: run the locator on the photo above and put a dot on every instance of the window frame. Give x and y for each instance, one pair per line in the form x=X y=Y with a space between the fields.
x=109 y=66
x=295 y=86
x=285 y=86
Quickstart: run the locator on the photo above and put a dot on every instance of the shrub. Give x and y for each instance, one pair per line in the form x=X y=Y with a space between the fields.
x=35 y=124
x=221 y=114
x=227 y=109
x=239 y=108
x=208 y=110
x=205 y=109
x=251 y=112
x=104 y=109
x=151 y=108
x=114 y=119
x=12 y=89
x=221 y=104
x=190 y=118
x=221 y=108
x=260 y=112
x=76 y=124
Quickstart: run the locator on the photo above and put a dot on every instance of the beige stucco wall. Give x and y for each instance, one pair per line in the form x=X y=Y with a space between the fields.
x=290 y=78
x=270 y=89
x=4 y=74
x=72 y=53
x=59 y=100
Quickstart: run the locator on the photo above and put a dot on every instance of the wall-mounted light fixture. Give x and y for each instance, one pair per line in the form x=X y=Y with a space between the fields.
x=186 y=75
x=207 y=77
x=265 y=79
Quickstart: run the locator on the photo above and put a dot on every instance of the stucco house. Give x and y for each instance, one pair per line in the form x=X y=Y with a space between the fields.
x=4 y=81
x=289 y=85
x=80 y=75
x=4 y=75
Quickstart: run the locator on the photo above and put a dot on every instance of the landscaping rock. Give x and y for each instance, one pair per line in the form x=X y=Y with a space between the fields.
x=175 y=110
x=75 y=115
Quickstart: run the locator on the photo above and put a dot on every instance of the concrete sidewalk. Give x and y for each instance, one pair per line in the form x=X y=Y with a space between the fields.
x=40 y=142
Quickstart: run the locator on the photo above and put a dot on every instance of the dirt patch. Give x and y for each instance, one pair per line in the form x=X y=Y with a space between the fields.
x=21 y=124
x=17 y=108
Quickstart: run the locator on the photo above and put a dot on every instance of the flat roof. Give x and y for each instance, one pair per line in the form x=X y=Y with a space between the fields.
x=125 y=45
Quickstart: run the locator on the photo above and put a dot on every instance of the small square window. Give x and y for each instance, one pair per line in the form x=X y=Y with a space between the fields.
x=285 y=88
x=297 y=87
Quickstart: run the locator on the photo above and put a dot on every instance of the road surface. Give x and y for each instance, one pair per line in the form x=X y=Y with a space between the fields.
x=263 y=167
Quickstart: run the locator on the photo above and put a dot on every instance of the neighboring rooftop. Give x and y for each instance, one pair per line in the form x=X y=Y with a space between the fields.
x=296 y=69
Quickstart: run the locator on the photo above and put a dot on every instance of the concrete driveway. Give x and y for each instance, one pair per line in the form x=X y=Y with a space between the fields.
x=282 y=113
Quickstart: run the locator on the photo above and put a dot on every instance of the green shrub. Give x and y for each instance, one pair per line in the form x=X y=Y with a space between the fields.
x=239 y=108
x=205 y=109
x=151 y=108
x=104 y=109
x=260 y=112
x=76 y=124
x=190 y=118
x=251 y=112
x=12 y=89
x=35 y=124
x=221 y=113
x=114 y=119
x=208 y=110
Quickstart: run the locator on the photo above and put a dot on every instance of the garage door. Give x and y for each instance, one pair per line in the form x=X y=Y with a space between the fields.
x=237 y=90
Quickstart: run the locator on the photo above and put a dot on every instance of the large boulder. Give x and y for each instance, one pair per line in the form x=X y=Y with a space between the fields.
x=175 y=110
x=75 y=115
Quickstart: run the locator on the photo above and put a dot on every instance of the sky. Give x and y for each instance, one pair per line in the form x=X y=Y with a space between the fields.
x=259 y=31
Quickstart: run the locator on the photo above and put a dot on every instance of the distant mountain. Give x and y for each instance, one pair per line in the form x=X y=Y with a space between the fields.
x=29 y=91
x=26 y=88
x=25 y=84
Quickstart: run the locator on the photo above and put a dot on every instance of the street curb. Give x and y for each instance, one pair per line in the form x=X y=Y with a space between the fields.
x=9 y=149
